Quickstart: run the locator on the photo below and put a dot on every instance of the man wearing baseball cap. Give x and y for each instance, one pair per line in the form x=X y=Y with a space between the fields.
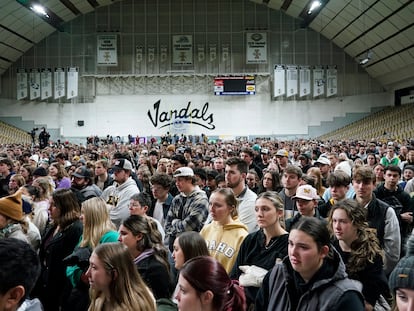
x=325 y=167
x=306 y=200
x=82 y=181
x=117 y=195
x=282 y=158
x=189 y=208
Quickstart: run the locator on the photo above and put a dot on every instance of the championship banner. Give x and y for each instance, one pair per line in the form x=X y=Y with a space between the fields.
x=151 y=54
x=34 y=84
x=213 y=52
x=139 y=51
x=21 y=79
x=318 y=81
x=225 y=52
x=331 y=81
x=59 y=82
x=279 y=85
x=182 y=50
x=107 y=50
x=256 y=48
x=163 y=53
x=72 y=89
x=304 y=81
x=201 y=53
x=45 y=83
x=291 y=81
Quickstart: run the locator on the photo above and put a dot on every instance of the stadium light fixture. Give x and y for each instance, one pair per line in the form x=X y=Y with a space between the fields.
x=366 y=59
x=39 y=9
x=314 y=5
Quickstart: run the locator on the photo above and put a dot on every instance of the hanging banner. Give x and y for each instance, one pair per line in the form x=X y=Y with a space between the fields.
x=225 y=52
x=291 y=81
x=163 y=53
x=21 y=79
x=318 y=81
x=256 y=48
x=279 y=85
x=107 y=50
x=45 y=83
x=59 y=82
x=139 y=51
x=304 y=81
x=213 y=52
x=34 y=84
x=331 y=81
x=73 y=76
x=151 y=54
x=201 y=53
x=182 y=50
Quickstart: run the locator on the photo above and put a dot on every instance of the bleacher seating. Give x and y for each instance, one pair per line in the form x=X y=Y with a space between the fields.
x=395 y=123
x=12 y=135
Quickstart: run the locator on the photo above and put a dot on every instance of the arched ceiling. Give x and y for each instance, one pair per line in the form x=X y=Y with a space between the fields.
x=383 y=30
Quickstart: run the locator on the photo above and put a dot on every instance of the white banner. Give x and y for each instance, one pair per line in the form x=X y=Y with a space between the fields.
x=213 y=52
x=46 y=83
x=201 y=53
x=59 y=82
x=256 y=48
x=279 y=85
x=151 y=54
x=34 y=84
x=21 y=79
x=304 y=81
x=72 y=89
x=331 y=81
x=182 y=49
x=107 y=50
x=318 y=81
x=225 y=52
x=291 y=81
x=163 y=54
x=139 y=51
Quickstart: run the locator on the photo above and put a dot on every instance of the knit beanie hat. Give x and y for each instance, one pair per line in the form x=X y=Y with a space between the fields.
x=11 y=206
x=403 y=274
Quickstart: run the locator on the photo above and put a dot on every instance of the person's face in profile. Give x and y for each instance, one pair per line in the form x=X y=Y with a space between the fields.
x=178 y=255
x=187 y=297
x=99 y=278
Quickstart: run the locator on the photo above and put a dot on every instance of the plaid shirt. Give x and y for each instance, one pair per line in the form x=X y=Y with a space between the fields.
x=187 y=213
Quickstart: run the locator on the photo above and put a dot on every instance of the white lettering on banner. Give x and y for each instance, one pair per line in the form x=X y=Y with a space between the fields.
x=221 y=248
x=185 y=115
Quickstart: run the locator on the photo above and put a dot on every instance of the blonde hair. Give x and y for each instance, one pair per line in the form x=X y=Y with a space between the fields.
x=128 y=291
x=96 y=222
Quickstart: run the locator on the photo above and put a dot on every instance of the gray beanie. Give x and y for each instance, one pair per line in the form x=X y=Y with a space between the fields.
x=403 y=274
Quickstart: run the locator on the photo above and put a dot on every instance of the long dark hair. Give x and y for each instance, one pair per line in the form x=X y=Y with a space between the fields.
x=192 y=244
x=317 y=229
x=65 y=200
x=366 y=246
x=206 y=274
x=151 y=237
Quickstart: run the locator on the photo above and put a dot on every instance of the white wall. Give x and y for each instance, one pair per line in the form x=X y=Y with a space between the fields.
x=224 y=115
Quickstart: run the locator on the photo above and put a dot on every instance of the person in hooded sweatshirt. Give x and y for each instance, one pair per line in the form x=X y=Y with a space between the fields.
x=225 y=233
x=117 y=196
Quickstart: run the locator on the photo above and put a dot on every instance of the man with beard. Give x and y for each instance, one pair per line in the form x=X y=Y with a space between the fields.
x=82 y=182
x=235 y=175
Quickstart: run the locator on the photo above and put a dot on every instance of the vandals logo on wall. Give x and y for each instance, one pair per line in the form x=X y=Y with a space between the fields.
x=178 y=118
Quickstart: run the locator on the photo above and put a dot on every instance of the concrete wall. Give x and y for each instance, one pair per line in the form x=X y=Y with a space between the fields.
x=150 y=115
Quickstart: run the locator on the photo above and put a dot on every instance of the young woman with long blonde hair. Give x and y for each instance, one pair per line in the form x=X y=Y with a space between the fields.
x=115 y=282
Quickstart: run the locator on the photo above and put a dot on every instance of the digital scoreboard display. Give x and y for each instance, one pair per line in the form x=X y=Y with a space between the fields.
x=237 y=85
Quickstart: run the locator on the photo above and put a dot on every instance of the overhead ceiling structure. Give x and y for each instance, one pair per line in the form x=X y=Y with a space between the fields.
x=378 y=34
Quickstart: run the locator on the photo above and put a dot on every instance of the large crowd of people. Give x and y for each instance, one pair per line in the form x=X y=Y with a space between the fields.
x=226 y=225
